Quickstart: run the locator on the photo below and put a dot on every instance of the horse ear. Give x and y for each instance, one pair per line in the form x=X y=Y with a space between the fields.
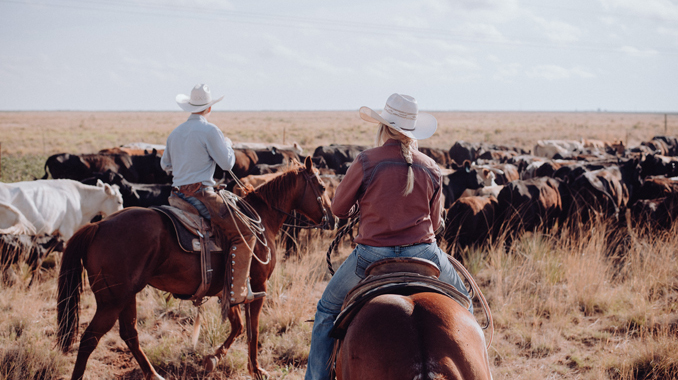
x=308 y=163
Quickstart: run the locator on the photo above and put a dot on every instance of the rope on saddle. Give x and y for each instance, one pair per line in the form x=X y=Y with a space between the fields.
x=344 y=230
x=244 y=212
x=476 y=292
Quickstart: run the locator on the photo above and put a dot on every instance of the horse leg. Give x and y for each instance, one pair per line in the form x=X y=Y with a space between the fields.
x=210 y=361
x=103 y=321
x=129 y=334
x=253 y=365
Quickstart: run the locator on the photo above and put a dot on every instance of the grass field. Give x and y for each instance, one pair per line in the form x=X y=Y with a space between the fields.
x=593 y=307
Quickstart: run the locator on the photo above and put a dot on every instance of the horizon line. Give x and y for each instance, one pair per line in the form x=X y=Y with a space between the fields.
x=348 y=110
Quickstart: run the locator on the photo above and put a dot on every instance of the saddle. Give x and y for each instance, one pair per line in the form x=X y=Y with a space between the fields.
x=193 y=235
x=188 y=227
x=403 y=276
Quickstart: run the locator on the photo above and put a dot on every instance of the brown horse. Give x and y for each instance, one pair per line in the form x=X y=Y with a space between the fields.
x=136 y=247
x=423 y=336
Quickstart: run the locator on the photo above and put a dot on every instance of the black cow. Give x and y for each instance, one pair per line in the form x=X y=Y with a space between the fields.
x=608 y=191
x=338 y=156
x=464 y=177
x=138 y=169
x=655 y=164
x=275 y=156
x=134 y=194
x=147 y=169
x=660 y=213
x=464 y=151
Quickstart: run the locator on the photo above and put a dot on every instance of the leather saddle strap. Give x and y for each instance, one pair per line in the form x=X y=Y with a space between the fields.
x=205 y=265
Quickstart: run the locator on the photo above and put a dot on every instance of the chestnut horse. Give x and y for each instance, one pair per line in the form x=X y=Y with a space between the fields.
x=136 y=247
x=422 y=336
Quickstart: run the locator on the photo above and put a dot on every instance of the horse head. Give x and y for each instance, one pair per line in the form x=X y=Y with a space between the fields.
x=314 y=202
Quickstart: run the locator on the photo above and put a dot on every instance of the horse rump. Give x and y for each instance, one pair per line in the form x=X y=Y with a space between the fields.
x=422 y=336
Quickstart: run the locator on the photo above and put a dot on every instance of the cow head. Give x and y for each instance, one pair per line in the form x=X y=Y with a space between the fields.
x=464 y=177
x=113 y=199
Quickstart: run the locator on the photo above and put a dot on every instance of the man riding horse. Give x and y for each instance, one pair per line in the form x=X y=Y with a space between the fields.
x=193 y=150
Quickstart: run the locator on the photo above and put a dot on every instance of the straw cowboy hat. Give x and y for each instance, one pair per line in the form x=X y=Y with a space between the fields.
x=200 y=99
x=401 y=113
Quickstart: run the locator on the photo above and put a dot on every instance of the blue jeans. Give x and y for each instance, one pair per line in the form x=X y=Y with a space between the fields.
x=202 y=209
x=347 y=276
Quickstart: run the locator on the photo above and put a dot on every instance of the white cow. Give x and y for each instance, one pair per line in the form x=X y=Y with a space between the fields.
x=47 y=206
x=565 y=148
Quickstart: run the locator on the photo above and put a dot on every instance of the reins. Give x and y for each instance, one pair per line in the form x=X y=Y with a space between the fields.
x=318 y=196
x=253 y=220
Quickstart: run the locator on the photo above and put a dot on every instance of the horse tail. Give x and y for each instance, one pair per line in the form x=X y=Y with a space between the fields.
x=70 y=285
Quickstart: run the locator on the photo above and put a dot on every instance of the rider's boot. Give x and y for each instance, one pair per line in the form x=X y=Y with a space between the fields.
x=242 y=241
x=240 y=255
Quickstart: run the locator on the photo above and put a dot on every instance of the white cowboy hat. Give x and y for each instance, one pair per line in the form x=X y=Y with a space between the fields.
x=401 y=113
x=200 y=99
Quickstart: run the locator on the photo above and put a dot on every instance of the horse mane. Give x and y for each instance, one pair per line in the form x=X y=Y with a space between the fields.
x=276 y=191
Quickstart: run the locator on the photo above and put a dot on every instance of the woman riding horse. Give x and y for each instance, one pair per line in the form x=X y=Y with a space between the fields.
x=398 y=193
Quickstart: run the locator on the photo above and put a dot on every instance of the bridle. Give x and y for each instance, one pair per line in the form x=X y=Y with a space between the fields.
x=327 y=214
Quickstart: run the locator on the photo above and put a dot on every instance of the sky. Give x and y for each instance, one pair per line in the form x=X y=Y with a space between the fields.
x=451 y=55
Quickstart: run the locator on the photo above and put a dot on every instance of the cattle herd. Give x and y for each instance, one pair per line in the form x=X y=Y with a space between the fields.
x=490 y=191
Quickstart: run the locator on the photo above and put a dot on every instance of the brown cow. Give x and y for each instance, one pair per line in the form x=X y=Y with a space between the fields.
x=525 y=205
x=469 y=223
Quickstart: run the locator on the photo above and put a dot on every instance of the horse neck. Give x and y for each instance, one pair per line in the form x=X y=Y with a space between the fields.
x=279 y=194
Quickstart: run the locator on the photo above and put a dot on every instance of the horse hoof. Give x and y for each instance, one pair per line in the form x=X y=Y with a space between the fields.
x=210 y=363
x=261 y=374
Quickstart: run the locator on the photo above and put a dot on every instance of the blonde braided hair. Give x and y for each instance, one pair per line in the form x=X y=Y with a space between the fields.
x=407 y=146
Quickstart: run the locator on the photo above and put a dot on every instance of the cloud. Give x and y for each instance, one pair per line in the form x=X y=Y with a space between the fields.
x=507 y=72
x=661 y=9
x=302 y=59
x=558 y=31
x=554 y=72
x=671 y=32
x=636 y=52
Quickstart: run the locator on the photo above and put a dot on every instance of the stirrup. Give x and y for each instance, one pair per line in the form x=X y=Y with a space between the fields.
x=251 y=296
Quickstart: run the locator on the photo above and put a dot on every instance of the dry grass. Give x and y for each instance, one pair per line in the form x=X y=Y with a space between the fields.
x=594 y=307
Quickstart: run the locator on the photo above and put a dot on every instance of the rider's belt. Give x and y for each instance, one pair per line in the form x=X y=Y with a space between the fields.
x=407 y=245
x=189 y=190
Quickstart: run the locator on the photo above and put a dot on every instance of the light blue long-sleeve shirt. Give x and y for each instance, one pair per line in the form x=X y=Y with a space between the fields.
x=193 y=150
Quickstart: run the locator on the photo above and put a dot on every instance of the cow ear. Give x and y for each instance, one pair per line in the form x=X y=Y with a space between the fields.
x=100 y=183
x=467 y=166
x=454 y=166
x=108 y=189
x=486 y=172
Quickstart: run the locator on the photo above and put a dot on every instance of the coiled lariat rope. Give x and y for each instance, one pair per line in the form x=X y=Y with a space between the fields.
x=475 y=293
x=249 y=217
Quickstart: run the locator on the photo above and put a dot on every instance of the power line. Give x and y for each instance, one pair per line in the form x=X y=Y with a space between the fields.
x=297 y=22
